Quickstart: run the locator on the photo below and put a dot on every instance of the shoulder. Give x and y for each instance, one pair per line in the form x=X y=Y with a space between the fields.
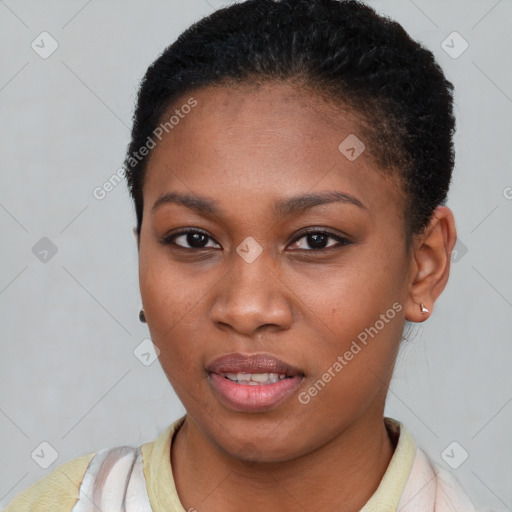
x=57 y=491
x=119 y=471
x=449 y=494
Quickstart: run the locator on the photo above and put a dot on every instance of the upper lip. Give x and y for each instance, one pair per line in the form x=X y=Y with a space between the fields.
x=251 y=363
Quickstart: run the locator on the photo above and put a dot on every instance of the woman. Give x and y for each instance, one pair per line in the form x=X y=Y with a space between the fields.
x=289 y=165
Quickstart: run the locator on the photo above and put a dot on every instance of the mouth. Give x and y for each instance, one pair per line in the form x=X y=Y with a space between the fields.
x=254 y=382
x=255 y=379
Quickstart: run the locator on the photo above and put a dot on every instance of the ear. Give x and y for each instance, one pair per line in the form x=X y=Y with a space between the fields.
x=430 y=264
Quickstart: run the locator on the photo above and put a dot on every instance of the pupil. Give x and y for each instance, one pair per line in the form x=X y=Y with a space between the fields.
x=193 y=238
x=316 y=242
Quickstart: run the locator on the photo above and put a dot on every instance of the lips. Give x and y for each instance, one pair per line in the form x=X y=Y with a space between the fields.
x=252 y=363
x=253 y=382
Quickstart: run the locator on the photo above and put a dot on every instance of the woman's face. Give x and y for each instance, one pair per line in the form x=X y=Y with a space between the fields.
x=251 y=294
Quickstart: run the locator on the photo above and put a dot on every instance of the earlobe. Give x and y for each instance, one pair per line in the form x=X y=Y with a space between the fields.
x=430 y=264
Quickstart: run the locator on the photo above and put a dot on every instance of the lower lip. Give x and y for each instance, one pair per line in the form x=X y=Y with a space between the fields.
x=248 y=398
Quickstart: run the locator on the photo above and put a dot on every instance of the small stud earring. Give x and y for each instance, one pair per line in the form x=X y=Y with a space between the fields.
x=423 y=308
x=142 y=316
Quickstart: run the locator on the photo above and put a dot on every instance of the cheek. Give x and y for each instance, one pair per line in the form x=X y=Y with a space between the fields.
x=353 y=357
x=168 y=290
x=174 y=298
x=357 y=308
x=347 y=299
x=172 y=301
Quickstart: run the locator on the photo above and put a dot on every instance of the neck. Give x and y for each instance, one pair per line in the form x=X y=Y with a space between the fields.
x=340 y=476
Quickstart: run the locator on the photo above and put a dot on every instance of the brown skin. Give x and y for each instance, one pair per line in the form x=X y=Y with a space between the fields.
x=246 y=148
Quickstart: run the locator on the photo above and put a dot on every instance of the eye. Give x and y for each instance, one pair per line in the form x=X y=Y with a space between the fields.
x=317 y=240
x=194 y=238
x=314 y=238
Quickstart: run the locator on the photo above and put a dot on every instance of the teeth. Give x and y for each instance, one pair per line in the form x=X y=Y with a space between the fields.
x=254 y=379
x=260 y=377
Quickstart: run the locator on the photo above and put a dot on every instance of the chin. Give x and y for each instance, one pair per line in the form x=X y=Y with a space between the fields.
x=255 y=438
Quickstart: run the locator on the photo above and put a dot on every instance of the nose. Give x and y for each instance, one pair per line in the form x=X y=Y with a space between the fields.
x=252 y=297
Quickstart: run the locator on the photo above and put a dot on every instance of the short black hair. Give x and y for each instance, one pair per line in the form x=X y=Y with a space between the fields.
x=341 y=49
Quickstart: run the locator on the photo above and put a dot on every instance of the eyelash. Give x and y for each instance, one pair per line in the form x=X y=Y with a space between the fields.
x=342 y=241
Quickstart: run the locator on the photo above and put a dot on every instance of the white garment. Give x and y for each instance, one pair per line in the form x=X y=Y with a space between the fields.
x=430 y=488
x=114 y=482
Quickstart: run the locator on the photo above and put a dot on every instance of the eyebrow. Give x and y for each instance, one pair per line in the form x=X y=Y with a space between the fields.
x=282 y=207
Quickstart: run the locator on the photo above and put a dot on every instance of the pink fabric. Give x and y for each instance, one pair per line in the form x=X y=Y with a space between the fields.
x=431 y=489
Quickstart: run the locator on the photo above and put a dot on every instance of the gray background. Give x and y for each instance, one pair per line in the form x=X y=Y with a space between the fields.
x=69 y=376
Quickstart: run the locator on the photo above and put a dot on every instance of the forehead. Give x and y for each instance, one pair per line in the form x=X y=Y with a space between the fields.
x=260 y=141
